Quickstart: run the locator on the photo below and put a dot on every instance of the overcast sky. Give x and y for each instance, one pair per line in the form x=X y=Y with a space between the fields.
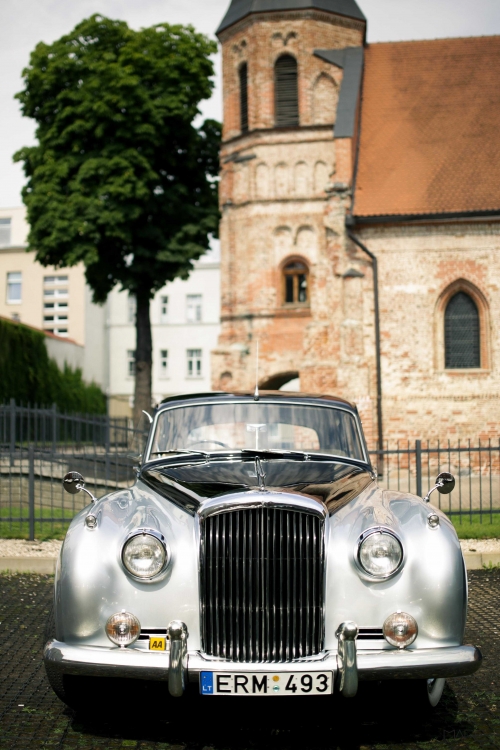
x=23 y=23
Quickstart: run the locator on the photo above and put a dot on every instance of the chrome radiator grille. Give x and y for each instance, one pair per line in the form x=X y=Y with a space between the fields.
x=262 y=576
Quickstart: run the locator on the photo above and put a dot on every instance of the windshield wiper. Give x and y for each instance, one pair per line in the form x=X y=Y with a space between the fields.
x=276 y=453
x=179 y=450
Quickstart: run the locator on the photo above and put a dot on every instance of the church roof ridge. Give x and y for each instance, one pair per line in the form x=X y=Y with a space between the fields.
x=238 y=9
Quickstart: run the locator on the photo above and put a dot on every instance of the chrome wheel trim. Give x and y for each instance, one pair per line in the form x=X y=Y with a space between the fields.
x=435 y=687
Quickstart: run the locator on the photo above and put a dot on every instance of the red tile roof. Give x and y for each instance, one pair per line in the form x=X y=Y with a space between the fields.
x=430 y=128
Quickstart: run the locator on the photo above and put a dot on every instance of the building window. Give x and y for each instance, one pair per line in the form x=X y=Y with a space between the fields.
x=55 y=305
x=163 y=363
x=57 y=280
x=132 y=308
x=164 y=310
x=55 y=287
x=295 y=283
x=194 y=363
x=244 y=98
x=193 y=310
x=462 y=333
x=131 y=363
x=14 y=287
x=286 y=92
x=5 y=227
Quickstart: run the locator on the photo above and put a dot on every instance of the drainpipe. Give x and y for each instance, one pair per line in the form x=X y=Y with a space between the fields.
x=380 y=430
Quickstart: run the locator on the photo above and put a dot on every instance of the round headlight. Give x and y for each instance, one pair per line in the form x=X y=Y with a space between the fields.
x=144 y=554
x=380 y=554
x=123 y=629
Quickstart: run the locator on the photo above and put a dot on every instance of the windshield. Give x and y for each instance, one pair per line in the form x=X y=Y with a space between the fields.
x=257 y=426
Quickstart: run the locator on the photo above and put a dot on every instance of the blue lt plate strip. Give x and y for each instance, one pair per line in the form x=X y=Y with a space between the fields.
x=207 y=683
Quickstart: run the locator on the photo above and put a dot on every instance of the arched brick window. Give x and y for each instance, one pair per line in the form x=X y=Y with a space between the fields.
x=295 y=283
x=243 y=73
x=286 y=92
x=462 y=338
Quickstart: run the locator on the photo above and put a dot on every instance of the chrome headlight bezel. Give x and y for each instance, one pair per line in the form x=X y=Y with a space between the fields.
x=166 y=551
x=357 y=553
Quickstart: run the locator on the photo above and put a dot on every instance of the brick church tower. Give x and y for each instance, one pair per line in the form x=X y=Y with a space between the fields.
x=358 y=246
x=290 y=277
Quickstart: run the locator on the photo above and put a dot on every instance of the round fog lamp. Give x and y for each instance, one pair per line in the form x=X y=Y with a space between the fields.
x=123 y=629
x=144 y=555
x=400 y=629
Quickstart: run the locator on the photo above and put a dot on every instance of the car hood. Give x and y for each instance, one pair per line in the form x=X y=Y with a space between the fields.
x=190 y=484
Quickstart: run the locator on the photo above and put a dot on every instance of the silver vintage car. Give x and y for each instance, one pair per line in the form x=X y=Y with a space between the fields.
x=257 y=556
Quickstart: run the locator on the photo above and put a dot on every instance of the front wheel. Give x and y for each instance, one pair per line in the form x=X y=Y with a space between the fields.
x=435 y=689
x=423 y=695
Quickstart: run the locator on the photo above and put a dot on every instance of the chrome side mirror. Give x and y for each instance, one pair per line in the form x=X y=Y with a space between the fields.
x=445 y=483
x=74 y=483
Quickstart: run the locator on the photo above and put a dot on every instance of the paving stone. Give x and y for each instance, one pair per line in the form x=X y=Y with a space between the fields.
x=31 y=716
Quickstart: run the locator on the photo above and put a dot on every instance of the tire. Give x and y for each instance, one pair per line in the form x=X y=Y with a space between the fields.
x=435 y=689
x=423 y=695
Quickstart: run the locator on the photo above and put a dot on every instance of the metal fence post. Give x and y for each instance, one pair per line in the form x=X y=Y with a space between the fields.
x=54 y=428
x=418 y=461
x=12 y=430
x=31 y=492
x=107 y=448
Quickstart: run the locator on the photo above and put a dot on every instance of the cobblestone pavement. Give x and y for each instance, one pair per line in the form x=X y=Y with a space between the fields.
x=32 y=717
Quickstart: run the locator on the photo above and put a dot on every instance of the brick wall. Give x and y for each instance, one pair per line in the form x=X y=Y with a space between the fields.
x=285 y=194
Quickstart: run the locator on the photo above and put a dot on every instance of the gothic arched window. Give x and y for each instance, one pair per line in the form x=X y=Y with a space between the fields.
x=243 y=73
x=295 y=283
x=462 y=333
x=286 y=92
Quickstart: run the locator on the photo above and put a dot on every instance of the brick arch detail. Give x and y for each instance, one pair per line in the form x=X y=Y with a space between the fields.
x=483 y=307
x=275 y=382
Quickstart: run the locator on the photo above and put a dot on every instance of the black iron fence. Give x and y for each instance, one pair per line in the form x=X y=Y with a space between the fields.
x=414 y=466
x=49 y=429
x=38 y=446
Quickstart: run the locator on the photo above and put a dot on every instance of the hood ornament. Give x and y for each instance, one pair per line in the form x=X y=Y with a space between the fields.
x=261 y=474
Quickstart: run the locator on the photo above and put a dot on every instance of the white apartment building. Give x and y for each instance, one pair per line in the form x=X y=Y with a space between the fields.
x=185 y=320
x=184 y=315
x=57 y=301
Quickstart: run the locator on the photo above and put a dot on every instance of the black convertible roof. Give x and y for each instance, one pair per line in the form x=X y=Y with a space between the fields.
x=263 y=396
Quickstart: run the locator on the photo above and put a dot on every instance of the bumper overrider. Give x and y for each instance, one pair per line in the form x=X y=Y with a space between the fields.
x=178 y=666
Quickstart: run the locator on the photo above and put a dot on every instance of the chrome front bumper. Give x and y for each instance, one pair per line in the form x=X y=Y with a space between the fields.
x=64 y=659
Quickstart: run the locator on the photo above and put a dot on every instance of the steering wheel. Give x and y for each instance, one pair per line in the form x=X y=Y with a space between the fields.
x=202 y=442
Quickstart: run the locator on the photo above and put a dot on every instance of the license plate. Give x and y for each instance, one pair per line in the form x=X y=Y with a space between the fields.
x=157 y=644
x=266 y=683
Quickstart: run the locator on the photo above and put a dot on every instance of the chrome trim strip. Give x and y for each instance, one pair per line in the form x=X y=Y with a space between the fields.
x=428 y=663
x=253 y=499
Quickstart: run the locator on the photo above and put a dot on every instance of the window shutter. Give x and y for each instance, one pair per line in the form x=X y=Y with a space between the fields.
x=462 y=333
x=244 y=98
x=286 y=92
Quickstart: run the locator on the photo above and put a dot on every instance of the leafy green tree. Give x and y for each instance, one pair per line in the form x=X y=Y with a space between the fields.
x=121 y=178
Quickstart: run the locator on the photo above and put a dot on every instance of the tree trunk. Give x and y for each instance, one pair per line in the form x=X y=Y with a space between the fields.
x=143 y=357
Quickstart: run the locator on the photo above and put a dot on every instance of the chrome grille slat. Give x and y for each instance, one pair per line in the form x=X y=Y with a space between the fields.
x=262 y=572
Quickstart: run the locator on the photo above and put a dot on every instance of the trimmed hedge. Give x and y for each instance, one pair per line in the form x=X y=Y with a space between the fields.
x=28 y=376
